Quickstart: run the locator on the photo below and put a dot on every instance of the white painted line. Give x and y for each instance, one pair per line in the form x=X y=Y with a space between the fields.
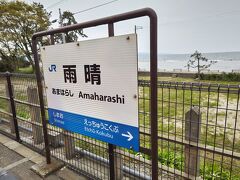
x=10 y=166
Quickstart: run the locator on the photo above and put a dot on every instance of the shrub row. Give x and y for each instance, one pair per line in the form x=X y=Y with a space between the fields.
x=220 y=77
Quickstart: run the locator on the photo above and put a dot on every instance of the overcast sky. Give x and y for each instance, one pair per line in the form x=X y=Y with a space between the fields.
x=183 y=25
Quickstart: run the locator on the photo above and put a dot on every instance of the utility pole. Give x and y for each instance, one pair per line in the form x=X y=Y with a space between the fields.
x=136 y=28
x=61 y=23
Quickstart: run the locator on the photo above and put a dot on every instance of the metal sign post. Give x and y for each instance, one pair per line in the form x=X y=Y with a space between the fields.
x=111 y=147
x=153 y=74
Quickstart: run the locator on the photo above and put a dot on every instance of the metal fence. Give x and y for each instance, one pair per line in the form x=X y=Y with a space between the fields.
x=198 y=132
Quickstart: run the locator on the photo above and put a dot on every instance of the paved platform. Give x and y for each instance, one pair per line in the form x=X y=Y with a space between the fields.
x=16 y=161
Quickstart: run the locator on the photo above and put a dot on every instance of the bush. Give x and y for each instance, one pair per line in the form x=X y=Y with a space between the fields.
x=170 y=159
x=220 y=77
x=6 y=66
x=22 y=63
x=26 y=70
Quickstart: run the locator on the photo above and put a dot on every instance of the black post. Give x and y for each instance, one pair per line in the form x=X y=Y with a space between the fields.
x=154 y=102
x=52 y=39
x=13 y=107
x=41 y=100
x=111 y=147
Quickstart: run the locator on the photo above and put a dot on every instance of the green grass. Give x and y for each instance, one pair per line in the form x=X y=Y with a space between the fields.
x=3 y=104
x=180 y=79
x=26 y=70
x=170 y=109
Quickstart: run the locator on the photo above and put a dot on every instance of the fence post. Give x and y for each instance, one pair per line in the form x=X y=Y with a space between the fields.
x=13 y=121
x=192 y=134
x=35 y=114
x=118 y=164
x=69 y=145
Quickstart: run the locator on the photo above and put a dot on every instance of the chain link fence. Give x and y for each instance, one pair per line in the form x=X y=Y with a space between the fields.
x=198 y=132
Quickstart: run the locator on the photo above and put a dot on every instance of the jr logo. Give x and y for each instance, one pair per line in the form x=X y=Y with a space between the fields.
x=52 y=68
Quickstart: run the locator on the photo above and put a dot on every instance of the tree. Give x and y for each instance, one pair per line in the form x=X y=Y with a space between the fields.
x=6 y=66
x=66 y=19
x=196 y=58
x=18 y=22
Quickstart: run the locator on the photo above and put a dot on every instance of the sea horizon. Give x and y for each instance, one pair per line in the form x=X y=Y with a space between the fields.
x=225 y=61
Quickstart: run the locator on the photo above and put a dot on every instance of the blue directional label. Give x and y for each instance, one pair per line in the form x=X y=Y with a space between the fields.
x=107 y=131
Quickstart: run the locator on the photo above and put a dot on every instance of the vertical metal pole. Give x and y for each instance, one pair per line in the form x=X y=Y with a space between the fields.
x=111 y=147
x=13 y=107
x=41 y=99
x=61 y=22
x=154 y=105
x=52 y=39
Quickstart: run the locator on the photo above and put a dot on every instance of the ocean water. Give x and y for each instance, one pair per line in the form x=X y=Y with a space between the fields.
x=225 y=61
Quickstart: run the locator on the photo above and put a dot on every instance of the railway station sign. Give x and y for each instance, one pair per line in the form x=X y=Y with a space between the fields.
x=92 y=89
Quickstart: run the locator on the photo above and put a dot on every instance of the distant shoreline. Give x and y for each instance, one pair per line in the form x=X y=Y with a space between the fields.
x=176 y=74
x=180 y=65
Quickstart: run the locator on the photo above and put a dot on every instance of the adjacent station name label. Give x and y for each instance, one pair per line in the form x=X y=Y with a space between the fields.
x=92 y=89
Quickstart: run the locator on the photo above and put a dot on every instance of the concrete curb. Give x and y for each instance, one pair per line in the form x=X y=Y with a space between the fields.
x=40 y=167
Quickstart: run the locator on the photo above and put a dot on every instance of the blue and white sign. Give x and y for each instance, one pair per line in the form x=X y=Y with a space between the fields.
x=92 y=89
